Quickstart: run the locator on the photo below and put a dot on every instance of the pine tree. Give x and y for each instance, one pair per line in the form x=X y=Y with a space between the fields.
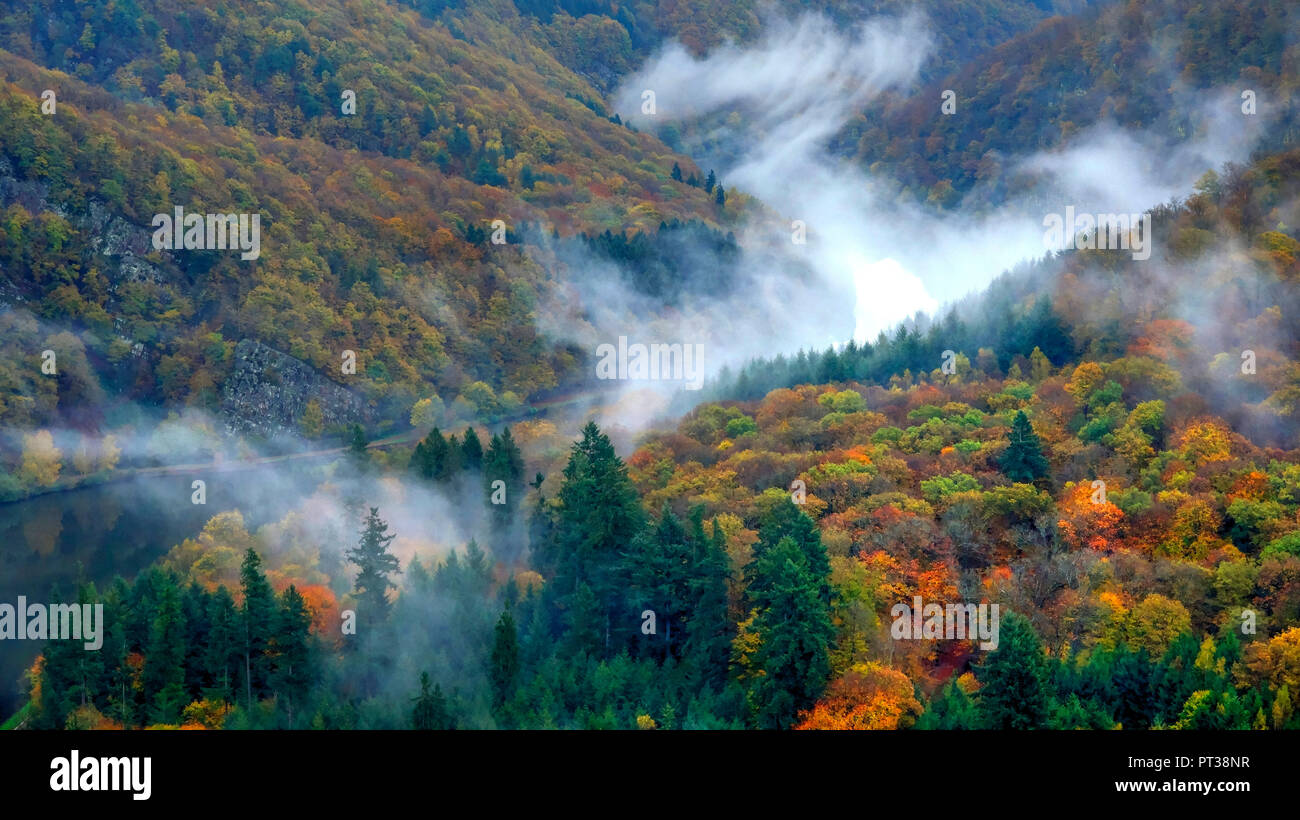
x=709 y=182
x=721 y=197
x=952 y=708
x=794 y=629
x=660 y=571
x=121 y=694
x=677 y=172
x=164 y=665
x=504 y=670
x=599 y=514
x=709 y=630
x=222 y=649
x=1023 y=460
x=1131 y=683
x=471 y=452
x=1015 y=677
x=62 y=685
x=541 y=520
x=294 y=655
x=434 y=454
x=503 y=462
x=786 y=519
x=587 y=622
x=418 y=464
x=375 y=564
x=194 y=609
x=430 y=712
x=258 y=616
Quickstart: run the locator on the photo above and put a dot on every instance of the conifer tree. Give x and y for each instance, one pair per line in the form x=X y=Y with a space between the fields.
x=598 y=516
x=794 y=629
x=786 y=519
x=660 y=574
x=504 y=670
x=419 y=460
x=294 y=656
x=435 y=454
x=430 y=711
x=709 y=630
x=258 y=616
x=223 y=647
x=1023 y=460
x=375 y=565
x=503 y=462
x=164 y=666
x=951 y=708
x=1014 y=693
x=471 y=452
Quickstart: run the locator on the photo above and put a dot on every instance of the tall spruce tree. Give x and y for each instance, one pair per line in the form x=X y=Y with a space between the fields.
x=660 y=565
x=164 y=666
x=503 y=672
x=258 y=616
x=786 y=520
x=598 y=515
x=1015 y=676
x=709 y=630
x=435 y=454
x=294 y=653
x=503 y=462
x=794 y=629
x=375 y=566
x=1023 y=460
x=430 y=710
x=223 y=647
x=471 y=452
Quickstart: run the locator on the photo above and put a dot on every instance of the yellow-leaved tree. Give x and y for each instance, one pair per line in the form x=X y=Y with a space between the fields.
x=42 y=461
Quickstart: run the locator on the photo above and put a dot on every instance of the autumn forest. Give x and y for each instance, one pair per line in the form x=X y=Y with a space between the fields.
x=374 y=479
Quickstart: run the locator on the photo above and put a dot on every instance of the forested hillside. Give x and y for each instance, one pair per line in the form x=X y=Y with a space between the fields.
x=478 y=532
x=377 y=223
x=1137 y=65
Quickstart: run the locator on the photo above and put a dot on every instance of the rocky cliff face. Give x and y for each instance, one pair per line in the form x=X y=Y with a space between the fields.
x=267 y=391
x=123 y=242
